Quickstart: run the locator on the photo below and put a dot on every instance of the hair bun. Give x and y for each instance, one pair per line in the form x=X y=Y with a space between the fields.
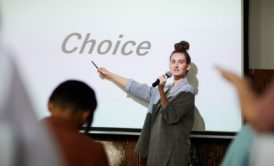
x=181 y=46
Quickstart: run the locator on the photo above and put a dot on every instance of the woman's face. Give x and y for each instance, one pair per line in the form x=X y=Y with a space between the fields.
x=178 y=65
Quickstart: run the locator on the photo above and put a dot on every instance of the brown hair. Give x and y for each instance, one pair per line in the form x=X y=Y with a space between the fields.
x=182 y=47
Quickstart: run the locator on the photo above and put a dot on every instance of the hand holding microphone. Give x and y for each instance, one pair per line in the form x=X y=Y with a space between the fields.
x=167 y=75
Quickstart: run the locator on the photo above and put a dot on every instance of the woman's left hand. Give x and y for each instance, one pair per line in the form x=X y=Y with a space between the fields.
x=163 y=79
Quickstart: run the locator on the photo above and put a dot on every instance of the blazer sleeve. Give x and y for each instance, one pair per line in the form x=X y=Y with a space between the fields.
x=176 y=108
x=141 y=91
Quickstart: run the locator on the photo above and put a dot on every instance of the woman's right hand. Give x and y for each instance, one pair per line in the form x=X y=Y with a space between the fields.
x=103 y=73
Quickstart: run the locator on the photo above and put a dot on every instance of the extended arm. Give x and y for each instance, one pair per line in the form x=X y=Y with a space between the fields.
x=141 y=91
x=117 y=79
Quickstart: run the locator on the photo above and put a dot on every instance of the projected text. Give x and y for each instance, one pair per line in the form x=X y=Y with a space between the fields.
x=77 y=43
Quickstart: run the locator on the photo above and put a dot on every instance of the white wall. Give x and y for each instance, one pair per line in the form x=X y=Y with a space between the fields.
x=261 y=34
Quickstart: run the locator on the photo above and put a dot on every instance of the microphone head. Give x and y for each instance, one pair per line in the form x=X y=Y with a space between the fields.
x=168 y=74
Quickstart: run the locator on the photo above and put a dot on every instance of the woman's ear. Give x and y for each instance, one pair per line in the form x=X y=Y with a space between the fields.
x=188 y=67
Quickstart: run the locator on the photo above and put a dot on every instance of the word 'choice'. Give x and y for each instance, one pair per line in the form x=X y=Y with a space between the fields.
x=75 y=42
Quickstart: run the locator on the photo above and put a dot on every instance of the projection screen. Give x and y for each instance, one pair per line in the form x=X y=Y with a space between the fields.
x=55 y=40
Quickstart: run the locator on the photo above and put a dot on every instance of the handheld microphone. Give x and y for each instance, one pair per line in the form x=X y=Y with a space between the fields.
x=168 y=74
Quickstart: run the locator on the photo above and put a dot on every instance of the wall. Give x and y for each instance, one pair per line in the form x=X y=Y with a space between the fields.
x=261 y=34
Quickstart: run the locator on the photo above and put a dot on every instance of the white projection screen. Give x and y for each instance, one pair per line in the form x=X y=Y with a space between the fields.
x=55 y=40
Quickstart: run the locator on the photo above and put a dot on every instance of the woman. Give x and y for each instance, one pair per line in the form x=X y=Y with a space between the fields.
x=164 y=139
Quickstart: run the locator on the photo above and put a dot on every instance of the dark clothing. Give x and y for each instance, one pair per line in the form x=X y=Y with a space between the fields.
x=164 y=139
x=78 y=149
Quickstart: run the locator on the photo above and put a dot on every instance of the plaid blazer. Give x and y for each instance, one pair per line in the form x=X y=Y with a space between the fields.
x=164 y=139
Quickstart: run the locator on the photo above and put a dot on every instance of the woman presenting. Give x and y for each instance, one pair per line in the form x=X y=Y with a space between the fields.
x=164 y=139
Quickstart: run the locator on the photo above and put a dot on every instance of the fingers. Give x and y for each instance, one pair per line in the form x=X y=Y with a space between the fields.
x=238 y=82
x=245 y=93
x=102 y=72
x=163 y=79
x=100 y=69
x=231 y=77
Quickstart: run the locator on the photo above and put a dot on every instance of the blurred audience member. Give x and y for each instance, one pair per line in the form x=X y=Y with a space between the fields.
x=23 y=141
x=254 y=144
x=258 y=111
x=71 y=105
